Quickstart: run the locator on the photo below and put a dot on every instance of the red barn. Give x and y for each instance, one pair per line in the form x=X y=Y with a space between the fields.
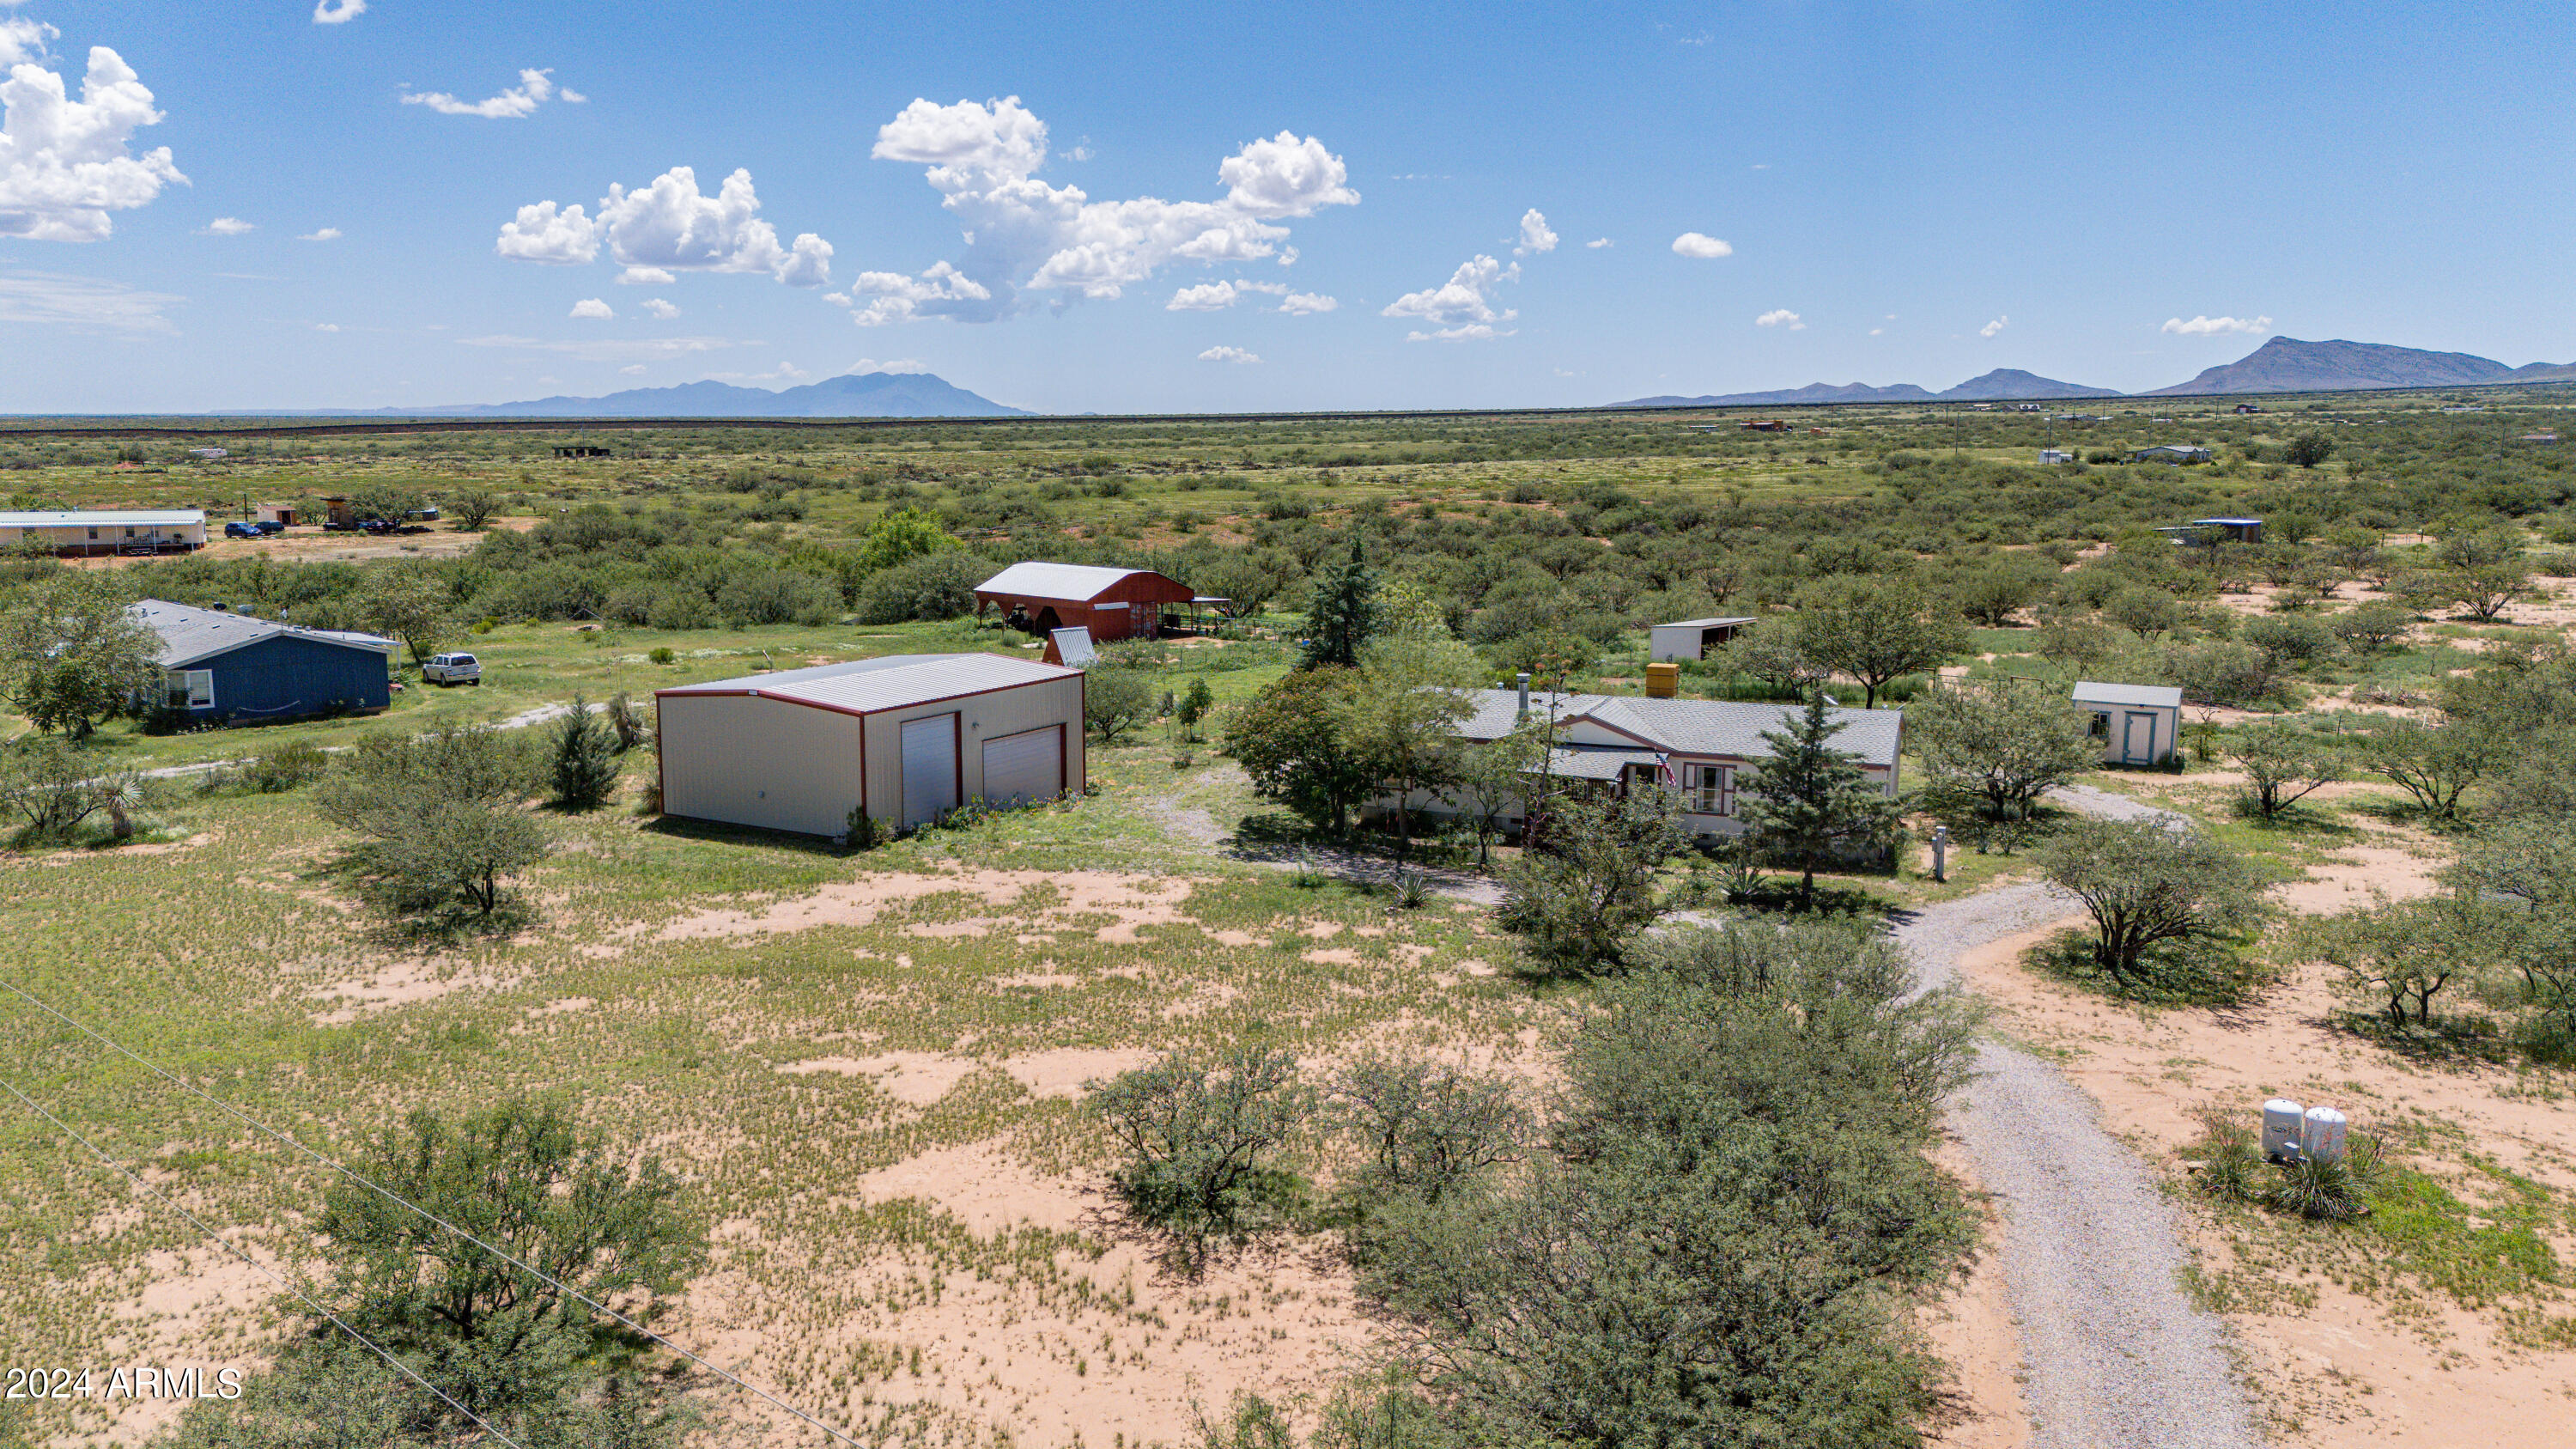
x=1112 y=603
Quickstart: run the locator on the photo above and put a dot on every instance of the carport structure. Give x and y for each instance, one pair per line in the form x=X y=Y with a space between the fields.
x=1112 y=603
x=909 y=737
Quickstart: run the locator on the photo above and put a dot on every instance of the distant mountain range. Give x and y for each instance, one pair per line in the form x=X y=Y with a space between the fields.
x=2282 y=364
x=2004 y=384
x=852 y=395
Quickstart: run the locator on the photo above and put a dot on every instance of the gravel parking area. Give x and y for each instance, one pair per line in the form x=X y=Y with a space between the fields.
x=2114 y=1356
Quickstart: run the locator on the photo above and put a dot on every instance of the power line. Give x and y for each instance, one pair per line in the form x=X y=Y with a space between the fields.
x=258 y=1126
x=219 y=1241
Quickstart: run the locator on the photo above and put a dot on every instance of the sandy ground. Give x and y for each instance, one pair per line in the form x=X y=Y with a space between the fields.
x=1129 y=901
x=1972 y=1330
x=2343 y=1371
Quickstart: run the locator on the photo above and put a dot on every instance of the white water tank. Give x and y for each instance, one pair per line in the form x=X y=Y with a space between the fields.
x=2283 y=1130
x=2325 y=1134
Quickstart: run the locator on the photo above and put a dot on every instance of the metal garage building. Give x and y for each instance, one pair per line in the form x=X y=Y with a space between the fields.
x=910 y=736
x=1112 y=603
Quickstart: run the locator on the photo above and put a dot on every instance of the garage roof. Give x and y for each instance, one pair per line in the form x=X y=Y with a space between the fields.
x=1056 y=580
x=864 y=686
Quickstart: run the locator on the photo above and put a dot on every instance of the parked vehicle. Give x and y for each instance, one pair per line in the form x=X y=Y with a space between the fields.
x=238 y=529
x=270 y=526
x=450 y=669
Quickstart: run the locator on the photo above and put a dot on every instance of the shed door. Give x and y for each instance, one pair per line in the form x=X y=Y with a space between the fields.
x=1024 y=768
x=929 y=768
x=2138 y=742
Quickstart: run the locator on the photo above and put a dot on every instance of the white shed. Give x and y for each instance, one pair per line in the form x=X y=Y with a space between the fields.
x=910 y=736
x=1693 y=638
x=2138 y=724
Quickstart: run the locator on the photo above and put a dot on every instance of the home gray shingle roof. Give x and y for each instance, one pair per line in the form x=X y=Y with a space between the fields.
x=1596 y=762
x=1723 y=727
x=867 y=685
x=2162 y=696
x=192 y=636
x=1055 y=580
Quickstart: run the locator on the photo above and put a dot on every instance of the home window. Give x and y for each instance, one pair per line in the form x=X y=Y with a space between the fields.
x=1712 y=789
x=189 y=688
x=2101 y=729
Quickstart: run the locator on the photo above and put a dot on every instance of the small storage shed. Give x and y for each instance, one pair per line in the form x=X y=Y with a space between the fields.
x=220 y=665
x=2137 y=724
x=1112 y=603
x=78 y=532
x=909 y=736
x=1693 y=638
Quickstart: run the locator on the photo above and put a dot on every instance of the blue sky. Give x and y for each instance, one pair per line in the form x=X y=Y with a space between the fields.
x=1909 y=193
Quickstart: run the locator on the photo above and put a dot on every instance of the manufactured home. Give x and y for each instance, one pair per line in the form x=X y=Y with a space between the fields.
x=79 y=532
x=219 y=665
x=1698 y=747
x=908 y=737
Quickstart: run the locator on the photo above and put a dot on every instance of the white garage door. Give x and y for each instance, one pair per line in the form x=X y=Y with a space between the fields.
x=929 y=768
x=1026 y=767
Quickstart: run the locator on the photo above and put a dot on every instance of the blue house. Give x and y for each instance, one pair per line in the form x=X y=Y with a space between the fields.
x=217 y=665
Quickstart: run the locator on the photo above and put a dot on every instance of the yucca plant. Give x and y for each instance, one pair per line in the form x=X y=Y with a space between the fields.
x=1412 y=890
x=2231 y=1161
x=2326 y=1191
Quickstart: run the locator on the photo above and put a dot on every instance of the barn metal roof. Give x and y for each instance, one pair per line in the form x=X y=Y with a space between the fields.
x=192 y=636
x=2164 y=696
x=1703 y=623
x=102 y=517
x=896 y=680
x=1723 y=727
x=1035 y=580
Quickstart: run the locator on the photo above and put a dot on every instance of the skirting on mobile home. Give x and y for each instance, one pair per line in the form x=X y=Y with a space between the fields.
x=909 y=737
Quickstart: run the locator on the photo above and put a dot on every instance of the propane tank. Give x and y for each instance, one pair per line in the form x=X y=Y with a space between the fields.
x=2325 y=1134
x=2284 y=1129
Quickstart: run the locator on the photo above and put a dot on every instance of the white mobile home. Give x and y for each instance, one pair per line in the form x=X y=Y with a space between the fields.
x=909 y=736
x=2138 y=724
x=74 y=532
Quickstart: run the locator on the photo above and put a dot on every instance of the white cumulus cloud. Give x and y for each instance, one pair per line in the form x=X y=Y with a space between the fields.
x=534 y=89
x=1217 y=296
x=227 y=226
x=1024 y=234
x=668 y=226
x=592 y=307
x=633 y=369
x=900 y=364
x=941 y=291
x=2216 y=326
x=1228 y=354
x=1598 y=242
x=1306 y=304
x=328 y=233
x=337 y=12
x=1991 y=328
x=660 y=308
x=1700 y=245
x=1535 y=236
x=646 y=277
x=65 y=164
x=326 y=326
x=1463 y=307
x=1781 y=317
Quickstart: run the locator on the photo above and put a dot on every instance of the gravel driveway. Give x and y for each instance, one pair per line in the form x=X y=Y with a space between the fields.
x=2114 y=1356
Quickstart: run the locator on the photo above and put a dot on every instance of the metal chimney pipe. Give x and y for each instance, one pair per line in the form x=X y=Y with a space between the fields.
x=1524 y=682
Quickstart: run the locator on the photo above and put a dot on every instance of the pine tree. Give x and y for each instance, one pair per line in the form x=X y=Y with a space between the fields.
x=1810 y=801
x=1343 y=615
x=585 y=765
